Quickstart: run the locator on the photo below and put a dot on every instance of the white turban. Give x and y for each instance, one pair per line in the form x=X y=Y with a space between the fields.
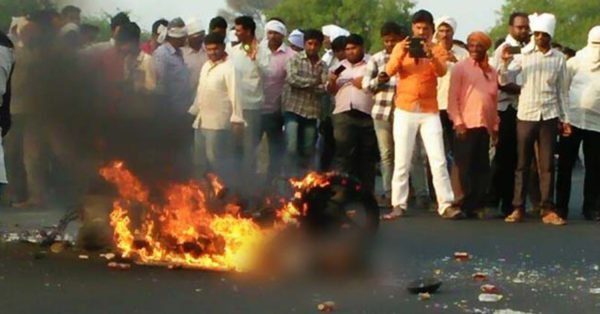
x=177 y=29
x=68 y=28
x=334 y=31
x=594 y=35
x=450 y=21
x=276 y=26
x=194 y=26
x=296 y=38
x=591 y=53
x=544 y=23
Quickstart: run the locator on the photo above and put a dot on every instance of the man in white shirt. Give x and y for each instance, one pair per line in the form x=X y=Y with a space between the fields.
x=194 y=54
x=217 y=106
x=251 y=62
x=445 y=28
x=584 y=114
x=541 y=110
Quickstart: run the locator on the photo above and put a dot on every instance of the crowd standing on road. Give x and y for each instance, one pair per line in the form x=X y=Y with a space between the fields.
x=452 y=127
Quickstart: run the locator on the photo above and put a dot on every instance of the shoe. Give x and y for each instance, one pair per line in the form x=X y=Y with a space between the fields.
x=396 y=213
x=551 y=218
x=453 y=213
x=516 y=216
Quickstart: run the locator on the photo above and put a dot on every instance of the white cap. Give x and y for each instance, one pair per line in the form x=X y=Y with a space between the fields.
x=450 y=21
x=276 y=26
x=544 y=23
x=333 y=31
x=177 y=29
x=296 y=38
x=594 y=35
x=194 y=26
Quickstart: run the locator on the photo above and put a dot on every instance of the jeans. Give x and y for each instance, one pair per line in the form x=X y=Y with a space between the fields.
x=301 y=136
x=385 y=141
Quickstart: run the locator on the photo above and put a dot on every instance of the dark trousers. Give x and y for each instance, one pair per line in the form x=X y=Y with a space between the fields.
x=327 y=144
x=528 y=132
x=272 y=127
x=505 y=162
x=471 y=169
x=448 y=128
x=568 y=149
x=356 y=146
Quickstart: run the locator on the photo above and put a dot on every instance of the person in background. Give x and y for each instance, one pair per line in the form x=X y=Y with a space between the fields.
x=218 y=25
x=583 y=80
x=383 y=89
x=417 y=111
x=251 y=62
x=194 y=54
x=472 y=108
x=505 y=160
x=217 y=108
x=155 y=40
x=356 y=143
x=331 y=33
x=306 y=75
x=274 y=82
x=445 y=28
x=116 y=22
x=542 y=104
x=7 y=63
x=296 y=40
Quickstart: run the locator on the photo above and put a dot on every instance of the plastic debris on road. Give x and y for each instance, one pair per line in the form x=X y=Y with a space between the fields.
x=328 y=306
x=490 y=297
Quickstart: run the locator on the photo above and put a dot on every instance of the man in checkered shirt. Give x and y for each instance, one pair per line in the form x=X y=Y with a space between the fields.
x=383 y=88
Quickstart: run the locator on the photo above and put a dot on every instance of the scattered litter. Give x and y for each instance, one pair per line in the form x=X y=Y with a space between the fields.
x=462 y=256
x=198 y=290
x=490 y=289
x=595 y=291
x=57 y=247
x=175 y=267
x=580 y=279
x=424 y=296
x=328 y=306
x=108 y=256
x=82 y=256
x=119 y=266
x=490 y=298
x=480 y=276
x=509 y=311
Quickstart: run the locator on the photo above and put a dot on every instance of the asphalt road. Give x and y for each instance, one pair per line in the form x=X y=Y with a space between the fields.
x=538 y=269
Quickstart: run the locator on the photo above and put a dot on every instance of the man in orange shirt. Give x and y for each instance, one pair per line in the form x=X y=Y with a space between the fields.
x=417 y=110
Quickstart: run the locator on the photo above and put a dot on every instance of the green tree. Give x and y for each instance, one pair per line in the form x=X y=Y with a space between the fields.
x=10 y=8
x=363 y=17
x=574 y=18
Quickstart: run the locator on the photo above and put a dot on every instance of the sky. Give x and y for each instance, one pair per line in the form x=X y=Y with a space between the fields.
x=470 y=14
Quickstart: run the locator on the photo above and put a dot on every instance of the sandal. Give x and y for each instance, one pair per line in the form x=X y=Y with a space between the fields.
x=516 y=216
x=552 y=218
x=393 y=215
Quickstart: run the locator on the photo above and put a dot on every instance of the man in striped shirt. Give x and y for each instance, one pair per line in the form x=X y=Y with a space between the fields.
x=383 y=89
x=544 y=96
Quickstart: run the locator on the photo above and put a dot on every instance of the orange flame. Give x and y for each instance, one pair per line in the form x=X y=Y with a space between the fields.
x=183 y=231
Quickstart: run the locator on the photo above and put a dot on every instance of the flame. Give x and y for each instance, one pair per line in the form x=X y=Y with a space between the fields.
x=185 y=230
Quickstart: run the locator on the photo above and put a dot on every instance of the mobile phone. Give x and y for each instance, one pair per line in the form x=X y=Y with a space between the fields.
x=339 y=70
x=515 y=50
x=415 y=49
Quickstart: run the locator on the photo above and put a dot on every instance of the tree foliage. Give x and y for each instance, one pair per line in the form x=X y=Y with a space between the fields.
x=10 y=8
x=364 y=17
x=574 y=18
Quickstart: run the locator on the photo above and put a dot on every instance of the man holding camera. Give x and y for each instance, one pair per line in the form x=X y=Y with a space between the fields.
x=418 y=64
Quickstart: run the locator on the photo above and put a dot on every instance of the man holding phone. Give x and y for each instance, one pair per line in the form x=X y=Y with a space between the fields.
x=417 y=111
x=383 y=89
x=542 y=103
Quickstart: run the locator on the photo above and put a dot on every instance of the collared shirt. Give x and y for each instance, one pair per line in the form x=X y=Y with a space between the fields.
x=194 y=61
x=544 y=94
x=473 y=96
x=444 y=81
x=303 y=91
x=217 y=103
x=505 y=99
x=275 y=79
x=250 y=74
x=583 y=79
x=348 y=96
x=172 y=77
x=383 y=94
x=417 y=87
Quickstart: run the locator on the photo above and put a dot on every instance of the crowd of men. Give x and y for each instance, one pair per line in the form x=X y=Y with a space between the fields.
x=440 y=116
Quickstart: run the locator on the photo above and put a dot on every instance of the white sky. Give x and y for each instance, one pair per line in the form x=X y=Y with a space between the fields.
x=470 y=14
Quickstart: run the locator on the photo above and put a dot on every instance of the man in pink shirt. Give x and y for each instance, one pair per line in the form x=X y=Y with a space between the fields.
x=274 y=81
x=472 y=108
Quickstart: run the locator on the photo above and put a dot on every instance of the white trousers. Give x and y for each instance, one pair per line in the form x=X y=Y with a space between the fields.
x=406 y=127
